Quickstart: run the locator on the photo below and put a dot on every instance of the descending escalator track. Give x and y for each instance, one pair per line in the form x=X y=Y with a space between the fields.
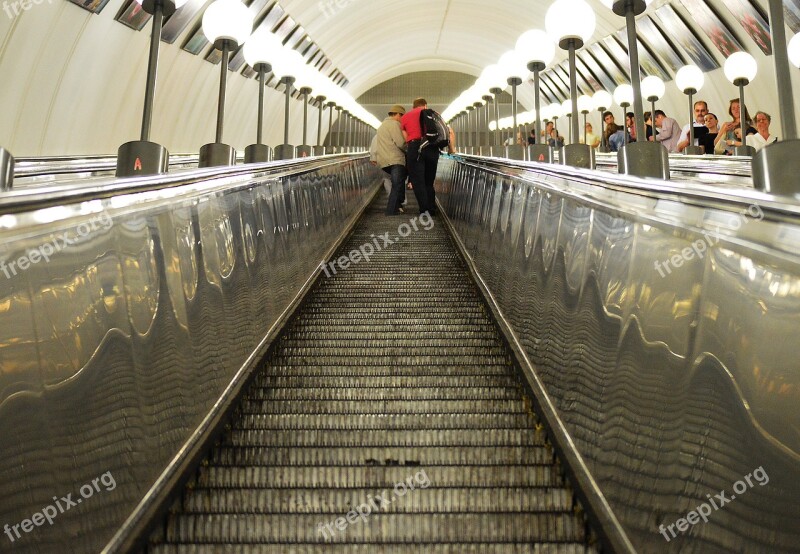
x=388 y=418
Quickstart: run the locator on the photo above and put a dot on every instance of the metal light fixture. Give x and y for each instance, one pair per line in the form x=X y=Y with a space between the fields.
x=653 y=90
x=286 y=69
x=537 y=48
x=554 y=110
x=493 y=79
x=319 y=150
x=740 y=69
x=6 y=170
x=306 y=82
x=258 y=50
x=142 y=157
x=515 y=69
x=477 y=105
x=227 y=24
x=690 y=79
x=585 y=106
x=623 y=95
x=571 y=24
x=566 y=110
x=486 y=147
x=641 y=158
x=776 y=166
x=601 y=100
x=470 y=148
x=330 y=149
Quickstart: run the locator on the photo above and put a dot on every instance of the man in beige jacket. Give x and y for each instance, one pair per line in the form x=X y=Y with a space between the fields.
x=390 y=147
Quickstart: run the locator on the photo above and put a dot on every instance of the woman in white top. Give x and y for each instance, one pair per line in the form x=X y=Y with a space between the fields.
x=762 y=137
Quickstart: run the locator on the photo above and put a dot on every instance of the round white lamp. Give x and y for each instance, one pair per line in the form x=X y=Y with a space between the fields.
x=538 y=49
x=794 y=50
x=571 y=23
x=286 y=68
x=690 y=79
x=653 y=89
x=740 y=69
x=259 y=50
x=623 y=96
x=515 y=69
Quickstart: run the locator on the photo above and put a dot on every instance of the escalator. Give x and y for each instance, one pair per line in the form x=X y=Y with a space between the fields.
x=387 y=418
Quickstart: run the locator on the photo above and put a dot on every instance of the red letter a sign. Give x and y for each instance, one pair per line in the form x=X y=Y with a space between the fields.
x=137 y=165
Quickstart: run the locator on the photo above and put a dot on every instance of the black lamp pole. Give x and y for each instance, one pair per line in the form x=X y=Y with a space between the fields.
x=259 y=152
x=217 y=153
x=143 y=157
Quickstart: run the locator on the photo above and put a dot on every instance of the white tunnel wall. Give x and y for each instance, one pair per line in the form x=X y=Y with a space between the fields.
x=73 y=83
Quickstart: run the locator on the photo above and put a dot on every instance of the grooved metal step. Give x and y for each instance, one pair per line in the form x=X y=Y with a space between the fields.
x=388 y=419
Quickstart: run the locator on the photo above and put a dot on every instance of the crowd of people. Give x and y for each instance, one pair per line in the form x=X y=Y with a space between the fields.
x=714 y=137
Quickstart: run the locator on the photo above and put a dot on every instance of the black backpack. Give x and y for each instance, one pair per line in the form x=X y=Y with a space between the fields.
x=434 y=130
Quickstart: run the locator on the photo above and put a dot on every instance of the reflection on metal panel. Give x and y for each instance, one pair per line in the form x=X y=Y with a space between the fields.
x=665 y=332
x=123 y=320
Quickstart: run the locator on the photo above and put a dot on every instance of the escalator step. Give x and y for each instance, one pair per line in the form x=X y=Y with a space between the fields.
x=391 y=390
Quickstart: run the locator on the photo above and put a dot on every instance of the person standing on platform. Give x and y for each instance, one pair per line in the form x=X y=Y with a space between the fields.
x=670 y=131
x=700 y=130
x=420 y=162
x=707 y=141
x=762 y=138
x=390 y=154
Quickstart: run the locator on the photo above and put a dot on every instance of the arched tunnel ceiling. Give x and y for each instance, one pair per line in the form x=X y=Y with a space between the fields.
x=438 y=87
x=372 y=41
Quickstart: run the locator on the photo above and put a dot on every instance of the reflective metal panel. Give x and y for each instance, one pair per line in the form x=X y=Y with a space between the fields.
x=123 y=319
x=663 y=323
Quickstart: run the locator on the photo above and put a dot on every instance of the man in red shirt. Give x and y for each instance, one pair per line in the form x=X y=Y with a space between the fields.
x=421 y=164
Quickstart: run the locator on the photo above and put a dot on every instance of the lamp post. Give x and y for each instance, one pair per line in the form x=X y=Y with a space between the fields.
x=566 y=110
x=288 y=68
x=304 y=149
x=690 y=79
x=258 y=50
x=740 y=68
x=346 y=139
x=227 y=24
x=486 y=148
x=623 y=95
x=338 y=146
x=330 y=148
x=776 y=166
x=141 y=157
x=571 y=23
x=555 y=111
x=537 y=47
x=653 y=89
x=584 y=106
x=6 y=170
x=493 y=80
x=319 y=150
x=470 y=147
x=602 y=102
x=641 y=158
x=514 y=69
x=477 y=105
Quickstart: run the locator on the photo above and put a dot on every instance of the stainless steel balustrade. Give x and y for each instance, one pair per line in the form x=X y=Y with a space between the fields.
x=128 y=310
x=661 y=321
x=717 y=170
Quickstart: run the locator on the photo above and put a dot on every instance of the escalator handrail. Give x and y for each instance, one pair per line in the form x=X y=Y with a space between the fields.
x=49 y=194
x=690 y=193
